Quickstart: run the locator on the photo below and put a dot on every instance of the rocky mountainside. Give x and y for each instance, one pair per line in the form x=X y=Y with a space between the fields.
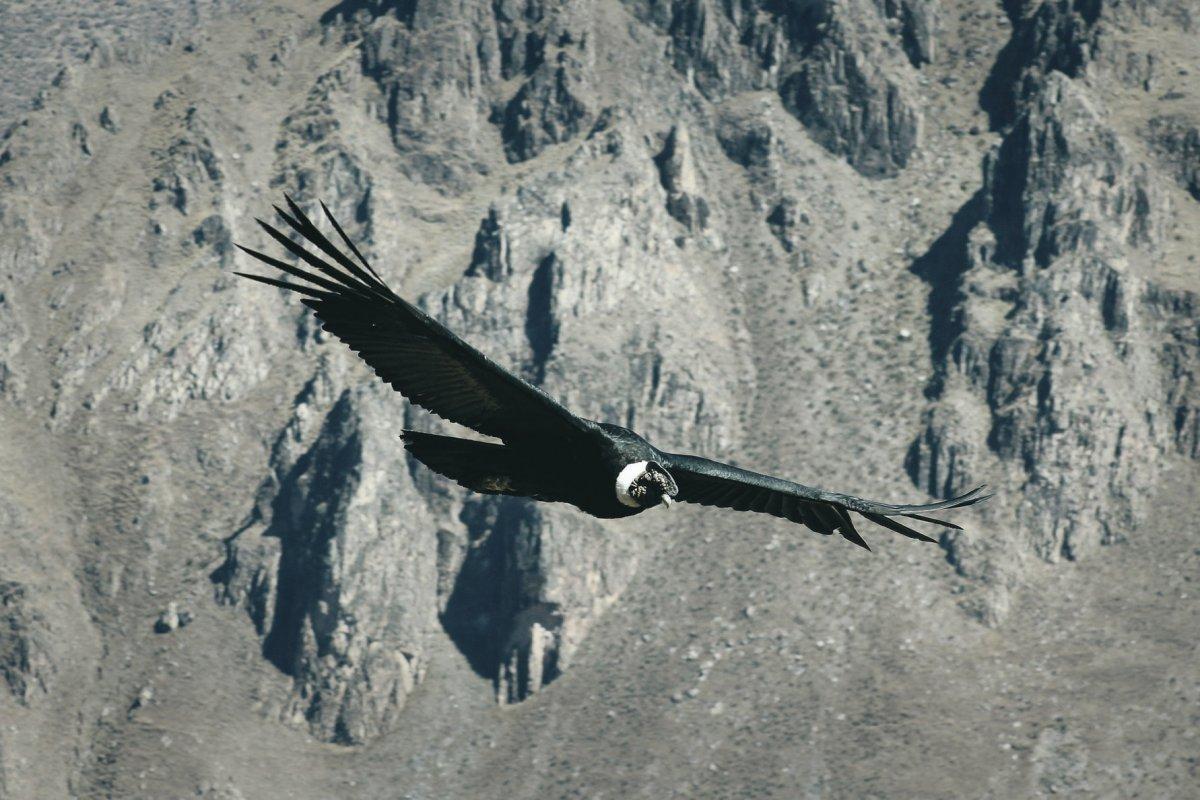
x=891 y=248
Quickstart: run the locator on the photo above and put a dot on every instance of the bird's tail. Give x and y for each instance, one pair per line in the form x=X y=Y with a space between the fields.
x=480 y=466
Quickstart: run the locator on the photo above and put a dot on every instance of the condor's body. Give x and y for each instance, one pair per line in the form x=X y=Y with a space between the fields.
x=543 y=450
x=582 y=470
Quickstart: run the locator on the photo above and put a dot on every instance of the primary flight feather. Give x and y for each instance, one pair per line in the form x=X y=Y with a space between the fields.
x=545 y=451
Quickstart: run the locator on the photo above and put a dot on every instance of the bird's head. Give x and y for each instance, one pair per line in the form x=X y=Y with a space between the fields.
x=645 y=484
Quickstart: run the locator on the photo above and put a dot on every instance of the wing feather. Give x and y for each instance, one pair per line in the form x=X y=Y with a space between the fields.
x=708 y=482
x=409 y=350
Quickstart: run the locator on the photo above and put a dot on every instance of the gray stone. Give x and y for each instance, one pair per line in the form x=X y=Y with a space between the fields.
x=677 y=172
x=550 y=108
x=1177 y=140
x=832 y=63
x=24 y=661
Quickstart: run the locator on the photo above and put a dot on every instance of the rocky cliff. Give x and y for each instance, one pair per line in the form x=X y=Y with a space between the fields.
x=1056 y=342
x=892 y=248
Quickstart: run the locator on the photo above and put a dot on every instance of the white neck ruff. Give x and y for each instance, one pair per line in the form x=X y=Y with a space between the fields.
x=625 y=479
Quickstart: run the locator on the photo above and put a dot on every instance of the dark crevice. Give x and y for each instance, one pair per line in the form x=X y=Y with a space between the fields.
x=910 y=41
x=1058 y=36
x=362 y=210
x=1112 y=307
x=347 y=10
x=491 y=590
x=942 y=267
x=482 y=603
x=535 y=52
x=996 y=97
x=310 y=493
x=1006 y=214
x=489 y=257
x=541 y=328
x=803 y=23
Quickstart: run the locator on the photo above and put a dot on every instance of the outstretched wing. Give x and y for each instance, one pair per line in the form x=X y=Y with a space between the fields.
x=418 y=356
x=711 y=483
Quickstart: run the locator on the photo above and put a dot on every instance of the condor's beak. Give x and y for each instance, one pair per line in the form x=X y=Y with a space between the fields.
x=667 y=501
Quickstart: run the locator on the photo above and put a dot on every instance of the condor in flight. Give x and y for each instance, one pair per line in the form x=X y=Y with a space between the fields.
x=546 y=452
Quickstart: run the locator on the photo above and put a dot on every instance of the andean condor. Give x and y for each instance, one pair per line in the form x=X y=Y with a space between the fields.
x=545 y=451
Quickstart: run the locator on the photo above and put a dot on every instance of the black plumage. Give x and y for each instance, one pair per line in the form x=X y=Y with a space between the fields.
x=545 y=452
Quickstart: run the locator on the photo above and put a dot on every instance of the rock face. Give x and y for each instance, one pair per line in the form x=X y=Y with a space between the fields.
x=917 y=23
x=350 y=636
x=835 y=65
x=1047 y=37
x=539 y=292
x=1177 y=139
x=747 y=229
x=548 y=109
x=546 y=289
x=1049 y=285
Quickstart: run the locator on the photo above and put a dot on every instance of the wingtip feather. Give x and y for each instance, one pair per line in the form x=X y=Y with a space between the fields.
x=934 y=520
x=847 y=529
x=297 y=212
x=856 y=539
x=311 y=295
x=353 y=248
x=974 y=496
x=903 y=530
